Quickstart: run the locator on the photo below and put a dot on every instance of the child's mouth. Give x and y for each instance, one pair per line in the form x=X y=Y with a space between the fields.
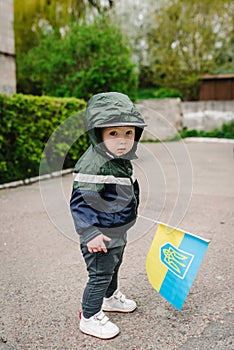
x=121 y=150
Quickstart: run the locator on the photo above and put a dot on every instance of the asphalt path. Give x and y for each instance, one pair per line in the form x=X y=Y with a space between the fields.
x=188 y=185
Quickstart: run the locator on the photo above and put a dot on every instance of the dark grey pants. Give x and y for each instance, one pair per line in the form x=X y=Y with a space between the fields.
x=103 y=277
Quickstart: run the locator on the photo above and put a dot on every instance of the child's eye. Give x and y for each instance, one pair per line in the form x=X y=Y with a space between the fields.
x=129 y=132
x=113 y=133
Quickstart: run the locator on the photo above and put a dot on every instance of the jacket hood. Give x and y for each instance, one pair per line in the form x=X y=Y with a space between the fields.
x=111 y=109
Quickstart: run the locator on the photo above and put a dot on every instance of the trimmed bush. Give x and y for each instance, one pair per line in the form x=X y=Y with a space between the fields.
x=27 y=123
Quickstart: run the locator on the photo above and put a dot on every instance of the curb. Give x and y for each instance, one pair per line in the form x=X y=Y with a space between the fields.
x=32 y=180
x=68 y=171
x=208 y=140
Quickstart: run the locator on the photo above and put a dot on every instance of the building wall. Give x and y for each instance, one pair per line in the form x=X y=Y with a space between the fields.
x=7 y=48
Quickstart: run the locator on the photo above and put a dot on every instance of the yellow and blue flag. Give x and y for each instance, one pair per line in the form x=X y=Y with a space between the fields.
x=173 y=262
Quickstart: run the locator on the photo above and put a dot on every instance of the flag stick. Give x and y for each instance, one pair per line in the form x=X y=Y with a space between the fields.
x=174 y=228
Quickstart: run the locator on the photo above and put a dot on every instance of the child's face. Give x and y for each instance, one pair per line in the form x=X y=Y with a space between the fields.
x=119 y=140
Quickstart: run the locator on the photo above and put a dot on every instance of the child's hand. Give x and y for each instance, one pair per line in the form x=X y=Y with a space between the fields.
x=97 y=244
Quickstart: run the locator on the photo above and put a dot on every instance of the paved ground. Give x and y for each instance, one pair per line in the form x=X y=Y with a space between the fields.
x=42 y=272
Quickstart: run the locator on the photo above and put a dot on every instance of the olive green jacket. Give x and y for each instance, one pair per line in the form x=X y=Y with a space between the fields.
x=105 y=194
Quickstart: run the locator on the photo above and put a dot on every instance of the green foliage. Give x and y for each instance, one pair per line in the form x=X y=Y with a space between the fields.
x=227 y=132
x=88 y=59
x=167 y=93
x=188 y=39
x=32 y=18
x=147 y=93
x=27 y=123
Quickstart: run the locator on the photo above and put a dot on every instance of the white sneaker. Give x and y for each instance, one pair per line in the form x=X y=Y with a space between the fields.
x=118 y=303
x=98 y=326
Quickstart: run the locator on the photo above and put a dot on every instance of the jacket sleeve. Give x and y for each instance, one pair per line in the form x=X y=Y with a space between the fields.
x=83 y=206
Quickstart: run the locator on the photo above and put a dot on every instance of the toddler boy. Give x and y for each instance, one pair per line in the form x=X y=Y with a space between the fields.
x=104 y=204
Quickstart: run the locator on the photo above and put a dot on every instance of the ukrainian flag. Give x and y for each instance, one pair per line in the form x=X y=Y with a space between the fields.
x=173 y=262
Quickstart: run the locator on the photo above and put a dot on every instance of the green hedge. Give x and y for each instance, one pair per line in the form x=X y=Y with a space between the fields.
x=27 y=123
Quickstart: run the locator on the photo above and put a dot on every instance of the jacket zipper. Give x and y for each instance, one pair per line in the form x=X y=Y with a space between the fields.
x=132 y=188
x=125 y=167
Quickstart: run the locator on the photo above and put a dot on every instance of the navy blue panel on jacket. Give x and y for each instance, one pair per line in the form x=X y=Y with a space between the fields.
x=112 y=211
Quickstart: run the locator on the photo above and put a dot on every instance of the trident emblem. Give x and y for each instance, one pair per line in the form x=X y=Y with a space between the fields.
x=176 y=260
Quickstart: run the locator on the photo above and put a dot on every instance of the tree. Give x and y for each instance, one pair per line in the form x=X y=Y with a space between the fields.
x=188 y=39
x=86 y=59
x=33 y=18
